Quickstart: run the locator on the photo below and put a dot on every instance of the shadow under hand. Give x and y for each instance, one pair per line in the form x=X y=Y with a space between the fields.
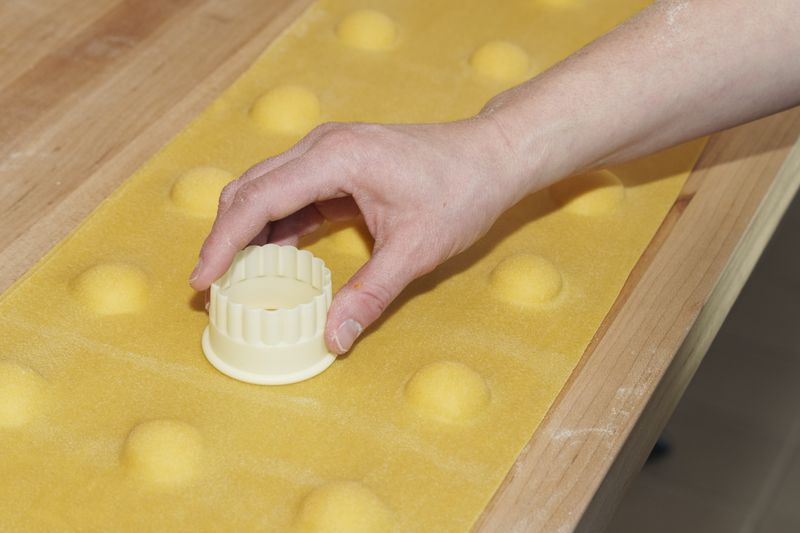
x=198 y=301
x=527 y=210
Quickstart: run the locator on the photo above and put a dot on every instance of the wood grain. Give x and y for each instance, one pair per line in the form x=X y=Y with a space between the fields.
x=91 y=89
x=85 y=114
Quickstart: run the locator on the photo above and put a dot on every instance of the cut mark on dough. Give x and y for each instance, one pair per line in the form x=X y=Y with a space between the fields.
x=593 y=193
x=343 y=506
x=287 y=110
x=112 y=288
x=526 y=279
x=22 y=393
x=447 y=391
x=197 y=190
x=367 y=29
x=163 y=453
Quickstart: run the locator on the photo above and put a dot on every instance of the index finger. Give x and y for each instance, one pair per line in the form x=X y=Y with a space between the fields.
x=276 y=195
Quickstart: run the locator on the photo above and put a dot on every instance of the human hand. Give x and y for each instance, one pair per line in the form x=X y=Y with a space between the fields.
x=427 y=192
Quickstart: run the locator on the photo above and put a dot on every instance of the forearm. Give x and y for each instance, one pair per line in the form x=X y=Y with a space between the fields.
x=679 y=70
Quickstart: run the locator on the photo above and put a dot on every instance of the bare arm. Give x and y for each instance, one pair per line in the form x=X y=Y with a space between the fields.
x=679 y=70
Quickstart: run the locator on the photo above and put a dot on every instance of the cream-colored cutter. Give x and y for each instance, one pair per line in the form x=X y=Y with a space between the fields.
x=267 y=316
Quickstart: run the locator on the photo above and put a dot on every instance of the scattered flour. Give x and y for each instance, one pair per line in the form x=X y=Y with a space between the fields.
x=568 y=434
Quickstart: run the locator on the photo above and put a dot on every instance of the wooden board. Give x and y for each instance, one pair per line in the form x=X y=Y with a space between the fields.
x=91 y=89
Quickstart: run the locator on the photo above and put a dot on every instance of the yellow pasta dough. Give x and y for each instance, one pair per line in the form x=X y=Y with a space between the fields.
x=163 y=453
x=367 y=29
x=501 y=60
x=111 y=418
x=353 y=239
x=343 y=506
x=112 y=288
x=526 y=279
x=197 y=190
x=288 y=109
x=593 y=193
x=21 y=395
x=447 y=391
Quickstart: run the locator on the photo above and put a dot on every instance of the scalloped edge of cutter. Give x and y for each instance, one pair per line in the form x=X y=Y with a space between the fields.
x=276 y=346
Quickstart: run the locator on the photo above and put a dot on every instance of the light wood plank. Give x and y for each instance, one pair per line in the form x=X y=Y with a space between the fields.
x=31 y=30
x=61 y=135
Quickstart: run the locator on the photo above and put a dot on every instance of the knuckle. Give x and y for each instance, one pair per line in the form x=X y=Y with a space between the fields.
x=341 y=139
x=228 y=191
x=351 y=147
x=342 y=151
x=325 y=127
x=252 y=171
x=246 y=194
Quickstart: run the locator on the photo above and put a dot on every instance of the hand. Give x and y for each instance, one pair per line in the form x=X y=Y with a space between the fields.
x=427 y=192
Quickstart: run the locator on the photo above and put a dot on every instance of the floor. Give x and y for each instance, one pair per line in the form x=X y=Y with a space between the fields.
x=734 y=462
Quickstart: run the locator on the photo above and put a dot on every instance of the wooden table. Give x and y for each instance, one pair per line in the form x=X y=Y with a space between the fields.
x=90 y=89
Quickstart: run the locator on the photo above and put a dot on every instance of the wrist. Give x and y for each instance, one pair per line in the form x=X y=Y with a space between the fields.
x=529 y=157
x=496 y=155
x=563 y=122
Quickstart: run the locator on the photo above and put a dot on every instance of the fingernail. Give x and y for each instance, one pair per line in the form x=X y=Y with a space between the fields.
x=346 y=334
x=196 y=271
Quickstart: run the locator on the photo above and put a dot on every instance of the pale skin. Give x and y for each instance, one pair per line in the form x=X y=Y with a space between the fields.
x=678 y=70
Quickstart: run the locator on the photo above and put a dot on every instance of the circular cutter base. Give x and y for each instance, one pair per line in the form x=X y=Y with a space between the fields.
x=264 y=379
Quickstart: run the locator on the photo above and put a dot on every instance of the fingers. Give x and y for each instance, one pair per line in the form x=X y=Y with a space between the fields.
x=288 y=188
x=257 y=171
x=263 y=236
x=290 y=229
x=365 y=297
x=271 y=163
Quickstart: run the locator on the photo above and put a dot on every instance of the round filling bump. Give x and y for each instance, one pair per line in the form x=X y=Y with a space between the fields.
x=447 y=391
x=163 y=453
x=526 y=279
x=367 y=29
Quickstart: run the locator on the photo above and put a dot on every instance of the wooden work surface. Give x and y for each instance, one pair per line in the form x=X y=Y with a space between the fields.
x=89 y=90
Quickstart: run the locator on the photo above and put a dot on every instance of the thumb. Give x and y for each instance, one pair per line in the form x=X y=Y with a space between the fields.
x=365 y=297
